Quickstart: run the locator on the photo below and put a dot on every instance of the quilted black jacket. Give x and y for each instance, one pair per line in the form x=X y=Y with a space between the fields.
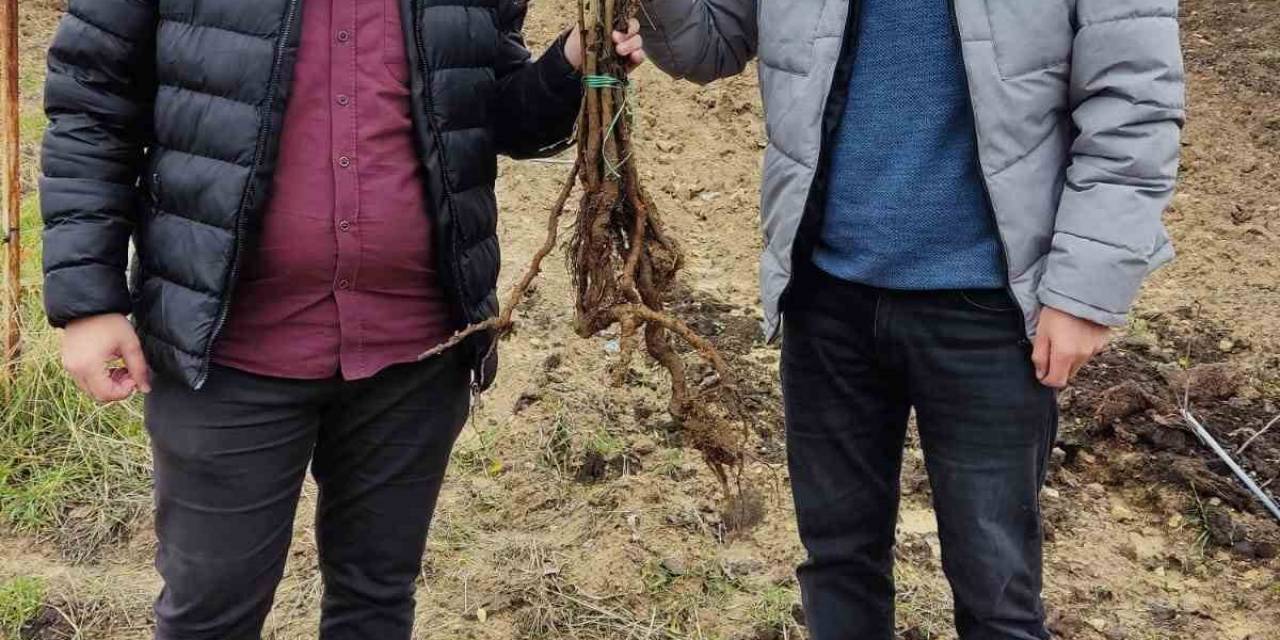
x=164 y=126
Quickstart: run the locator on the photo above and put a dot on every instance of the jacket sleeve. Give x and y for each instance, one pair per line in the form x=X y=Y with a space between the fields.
x=1127 y=100
x=700 y=40
x=98 y=96
x=537 y=101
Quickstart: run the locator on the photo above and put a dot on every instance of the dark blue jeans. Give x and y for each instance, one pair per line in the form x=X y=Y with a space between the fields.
x=855 y=361
x=230 y=461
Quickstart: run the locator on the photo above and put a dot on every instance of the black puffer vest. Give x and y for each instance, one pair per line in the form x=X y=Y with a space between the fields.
x=165 y=118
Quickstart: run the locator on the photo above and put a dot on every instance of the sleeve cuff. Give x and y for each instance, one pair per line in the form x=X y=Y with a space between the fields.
x=1065 y=304
x=558 y=73
x=76 y=292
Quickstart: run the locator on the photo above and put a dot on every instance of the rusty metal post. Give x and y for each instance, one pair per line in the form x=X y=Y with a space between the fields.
x=11 y=184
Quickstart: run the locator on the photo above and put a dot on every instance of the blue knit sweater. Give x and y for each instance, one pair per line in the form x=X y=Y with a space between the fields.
x=905 y=206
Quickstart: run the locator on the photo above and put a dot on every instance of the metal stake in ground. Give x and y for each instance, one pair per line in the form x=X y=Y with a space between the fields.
x=1243 y=475
x=9 y=177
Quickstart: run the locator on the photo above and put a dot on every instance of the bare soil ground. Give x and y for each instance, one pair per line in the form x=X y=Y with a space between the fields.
x=573 y=511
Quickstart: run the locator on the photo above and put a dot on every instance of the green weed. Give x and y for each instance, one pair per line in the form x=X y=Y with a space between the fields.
x=20 y=601
x=773 y=608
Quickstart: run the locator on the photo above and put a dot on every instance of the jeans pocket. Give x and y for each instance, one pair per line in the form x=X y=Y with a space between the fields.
x=989 y=300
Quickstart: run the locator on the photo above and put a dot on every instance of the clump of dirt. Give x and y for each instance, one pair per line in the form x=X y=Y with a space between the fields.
x=1121 y=401
x=1204 y=382
x=47 y=624
x=744 y=510
x=596 y=466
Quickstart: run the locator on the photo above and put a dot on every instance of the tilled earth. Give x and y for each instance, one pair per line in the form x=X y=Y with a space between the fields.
x=572 y=509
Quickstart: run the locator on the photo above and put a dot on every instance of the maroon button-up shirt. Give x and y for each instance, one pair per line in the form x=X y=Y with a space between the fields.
x=343 y=277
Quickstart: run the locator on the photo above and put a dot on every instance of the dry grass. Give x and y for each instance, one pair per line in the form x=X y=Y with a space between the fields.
x=70 y=471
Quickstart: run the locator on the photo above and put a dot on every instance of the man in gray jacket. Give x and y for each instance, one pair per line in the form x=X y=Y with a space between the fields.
x=960 y=199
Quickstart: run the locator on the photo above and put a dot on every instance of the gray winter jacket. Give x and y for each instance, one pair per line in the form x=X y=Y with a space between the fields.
x=1078 y=106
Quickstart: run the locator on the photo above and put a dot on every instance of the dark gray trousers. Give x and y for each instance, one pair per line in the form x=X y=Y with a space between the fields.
x=230 y=461
x=855 y=361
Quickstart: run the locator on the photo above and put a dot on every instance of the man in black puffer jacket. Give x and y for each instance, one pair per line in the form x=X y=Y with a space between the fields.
x=309 y=190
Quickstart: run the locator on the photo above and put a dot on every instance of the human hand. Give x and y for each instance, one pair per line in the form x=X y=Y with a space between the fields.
x=629 y=45
x=90 y=346
x=1064 y=344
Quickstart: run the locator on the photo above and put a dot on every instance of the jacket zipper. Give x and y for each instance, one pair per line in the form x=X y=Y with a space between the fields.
x=982 y=175
x=429 y=112
x=264 y=130
x=848 y=50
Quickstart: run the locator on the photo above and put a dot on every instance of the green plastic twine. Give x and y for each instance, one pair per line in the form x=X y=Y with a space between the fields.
x=610 y=82
x=603 y=82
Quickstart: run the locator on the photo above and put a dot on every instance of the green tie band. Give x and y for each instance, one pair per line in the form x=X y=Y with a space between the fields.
x=603 y=82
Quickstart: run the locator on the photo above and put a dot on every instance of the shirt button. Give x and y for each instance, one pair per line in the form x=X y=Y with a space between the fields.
x=344 y=35
x=345 y=225
x=344 y=284
x=344 y=100
x=344 y=162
